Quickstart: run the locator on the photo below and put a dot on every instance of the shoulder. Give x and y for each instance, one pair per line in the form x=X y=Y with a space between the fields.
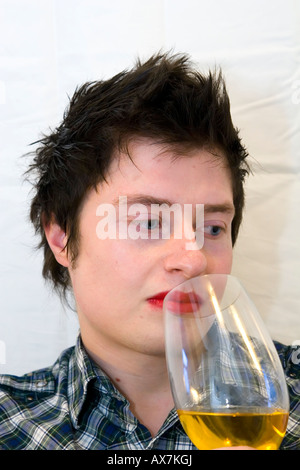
x=37 y=383
x=290 y=358
x=29 y=400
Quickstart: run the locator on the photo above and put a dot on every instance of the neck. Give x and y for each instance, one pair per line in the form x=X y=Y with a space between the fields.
x=142 y=380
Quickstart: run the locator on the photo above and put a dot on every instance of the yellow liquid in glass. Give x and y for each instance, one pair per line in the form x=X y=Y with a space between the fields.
x=263 y=431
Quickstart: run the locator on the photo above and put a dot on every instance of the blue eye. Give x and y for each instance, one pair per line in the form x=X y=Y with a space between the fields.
x=213 y=230
x=153 y=224
x=149 y=224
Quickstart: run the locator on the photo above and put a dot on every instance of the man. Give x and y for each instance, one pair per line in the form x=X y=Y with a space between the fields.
x=155 y=136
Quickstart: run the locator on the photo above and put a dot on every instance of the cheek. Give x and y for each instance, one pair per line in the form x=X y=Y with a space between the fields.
x=225 y=263
x=108 y=266
x=219 y=260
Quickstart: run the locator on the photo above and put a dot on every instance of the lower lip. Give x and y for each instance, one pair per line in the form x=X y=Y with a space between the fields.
x=182 y=303
x=156 y=303
x=182 y=307
x=178 y=305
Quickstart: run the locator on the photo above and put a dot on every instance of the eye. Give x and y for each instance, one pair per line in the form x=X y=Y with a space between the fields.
x=152 y=224
x=213 y=230
x=149 y=224
x=146 y=224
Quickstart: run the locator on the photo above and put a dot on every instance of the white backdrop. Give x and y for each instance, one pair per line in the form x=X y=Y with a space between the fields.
x=47 y=47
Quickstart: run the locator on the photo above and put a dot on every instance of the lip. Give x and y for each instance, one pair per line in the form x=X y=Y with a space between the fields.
x=184 y=302
x=158 y=299
x=180 y=302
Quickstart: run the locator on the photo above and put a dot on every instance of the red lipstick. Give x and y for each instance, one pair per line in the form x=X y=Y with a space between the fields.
x=184 y=302
x=180 y=302
x=158 y=299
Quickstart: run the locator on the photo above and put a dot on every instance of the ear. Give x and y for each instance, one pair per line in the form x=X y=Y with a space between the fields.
x=57 y=240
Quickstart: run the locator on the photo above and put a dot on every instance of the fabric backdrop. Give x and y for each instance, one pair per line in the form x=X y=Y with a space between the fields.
x=48 y=47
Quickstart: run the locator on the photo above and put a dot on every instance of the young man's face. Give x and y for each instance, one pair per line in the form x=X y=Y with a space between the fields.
x=117 y=282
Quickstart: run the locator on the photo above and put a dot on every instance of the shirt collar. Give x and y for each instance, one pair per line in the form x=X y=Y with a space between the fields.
x=82 y=374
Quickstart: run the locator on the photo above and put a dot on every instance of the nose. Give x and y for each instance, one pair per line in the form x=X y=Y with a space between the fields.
x=188 y=262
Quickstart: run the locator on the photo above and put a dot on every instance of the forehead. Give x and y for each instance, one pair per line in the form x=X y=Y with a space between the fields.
x=164 y=170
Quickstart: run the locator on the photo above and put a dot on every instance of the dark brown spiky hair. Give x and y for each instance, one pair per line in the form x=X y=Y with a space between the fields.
x=164 y=98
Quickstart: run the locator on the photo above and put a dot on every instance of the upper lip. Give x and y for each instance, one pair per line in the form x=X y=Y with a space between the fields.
x=179 y=296
x=186 y=297
x=159 y=296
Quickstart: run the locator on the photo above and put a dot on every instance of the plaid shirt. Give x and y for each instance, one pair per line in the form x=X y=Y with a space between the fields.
x=73 y=405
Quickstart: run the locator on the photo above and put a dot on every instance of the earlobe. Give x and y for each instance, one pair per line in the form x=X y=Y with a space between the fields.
x=57 y=240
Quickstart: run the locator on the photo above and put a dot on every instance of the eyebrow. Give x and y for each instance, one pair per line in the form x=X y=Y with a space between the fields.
x=226 y=207
x=142 y=199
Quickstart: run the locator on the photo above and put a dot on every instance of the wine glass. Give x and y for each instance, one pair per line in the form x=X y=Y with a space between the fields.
x=227 y=381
